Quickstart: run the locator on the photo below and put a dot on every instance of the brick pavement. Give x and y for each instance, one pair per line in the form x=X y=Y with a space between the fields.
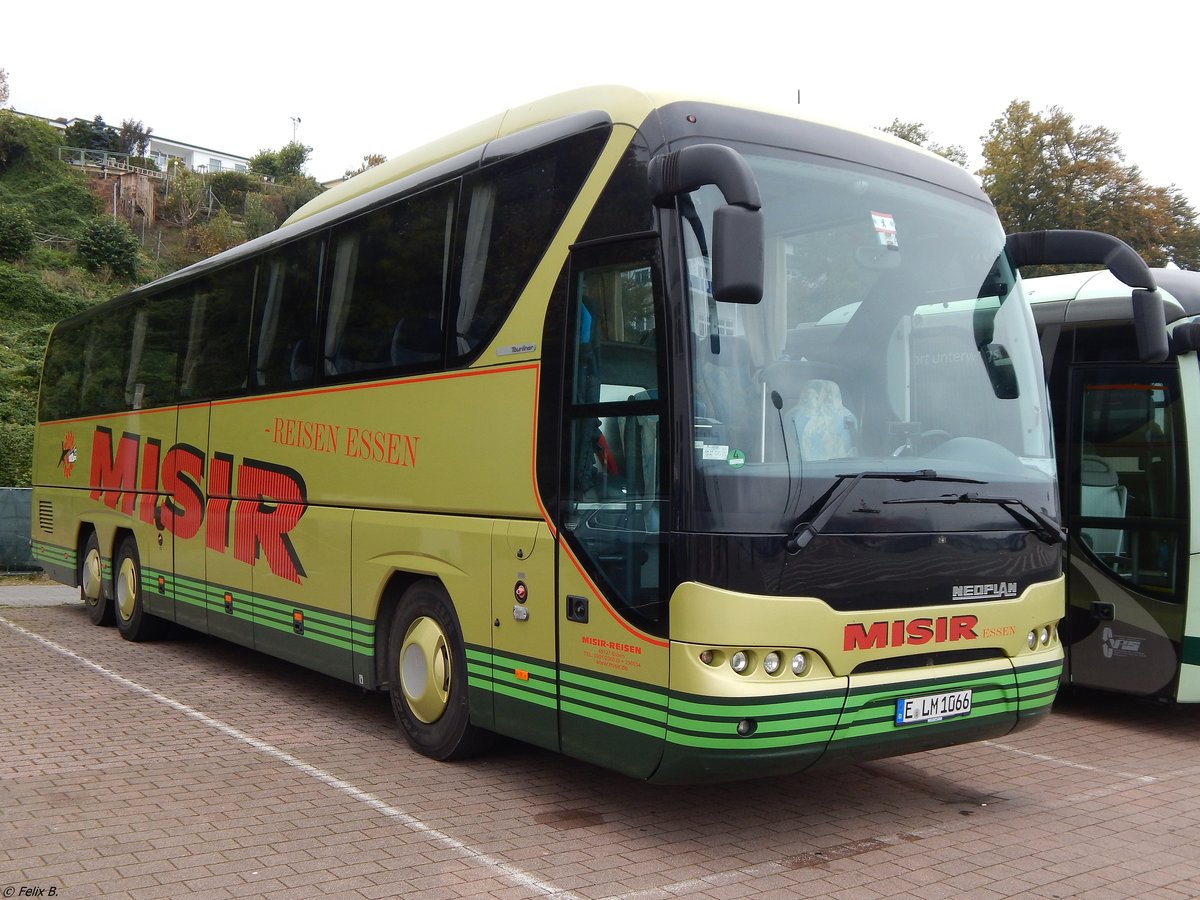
x=191 y=767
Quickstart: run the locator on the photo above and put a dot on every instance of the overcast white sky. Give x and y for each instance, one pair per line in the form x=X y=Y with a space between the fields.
x=385 y=77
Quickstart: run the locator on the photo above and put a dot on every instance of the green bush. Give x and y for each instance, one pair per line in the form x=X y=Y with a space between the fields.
x=27 y=143
x=257 y=218
x=16 y=454
x=231 y=188
x=16 y=231
x=111 y=244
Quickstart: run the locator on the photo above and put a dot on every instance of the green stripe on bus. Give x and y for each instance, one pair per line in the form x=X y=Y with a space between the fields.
x=652 y=714
x=322 y=626
x=1191 y=651
x=608 y=718
x=759 y=707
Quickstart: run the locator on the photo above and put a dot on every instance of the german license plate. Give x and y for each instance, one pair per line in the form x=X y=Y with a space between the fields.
x=933 y=707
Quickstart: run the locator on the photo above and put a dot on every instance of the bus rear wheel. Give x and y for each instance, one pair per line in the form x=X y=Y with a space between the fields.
x=427 y=676
x=91 y=583
x=134 y=623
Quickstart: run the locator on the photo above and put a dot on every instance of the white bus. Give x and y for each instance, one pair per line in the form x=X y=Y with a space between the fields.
x=1122 y=429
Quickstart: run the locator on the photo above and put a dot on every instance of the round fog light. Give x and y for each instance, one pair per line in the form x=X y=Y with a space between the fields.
x=706 y=657
x=799 y=664
x=771 y=663
x=739 y=662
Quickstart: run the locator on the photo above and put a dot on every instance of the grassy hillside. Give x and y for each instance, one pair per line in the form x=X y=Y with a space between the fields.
x=60 y=252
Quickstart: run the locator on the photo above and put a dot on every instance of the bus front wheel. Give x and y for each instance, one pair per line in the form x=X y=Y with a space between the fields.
x=91 y=583
x=134 y=623
x=427 y=675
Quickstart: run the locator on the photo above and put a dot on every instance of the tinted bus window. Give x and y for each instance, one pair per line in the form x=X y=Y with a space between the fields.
x=512 y=210
x=158 y=329
x=62 y=375
x=285 y=353
x=388 y=287
x=218 y=335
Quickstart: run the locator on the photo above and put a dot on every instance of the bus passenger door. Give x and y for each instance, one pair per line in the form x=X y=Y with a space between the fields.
x=612 y=511
x=524 y=670
x=1127 y=499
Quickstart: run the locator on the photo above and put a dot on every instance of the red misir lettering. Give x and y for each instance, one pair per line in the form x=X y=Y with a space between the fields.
x=899 y=632
x=113 y=476
x=262 y=524
x=267 y=501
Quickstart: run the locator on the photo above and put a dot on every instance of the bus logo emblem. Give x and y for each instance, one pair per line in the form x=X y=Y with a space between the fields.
x=69 y=454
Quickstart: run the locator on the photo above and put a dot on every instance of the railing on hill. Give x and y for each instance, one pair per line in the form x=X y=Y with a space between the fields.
x=104 y=159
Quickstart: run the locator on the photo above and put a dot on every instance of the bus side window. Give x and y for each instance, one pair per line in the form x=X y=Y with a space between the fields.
x=63 y=373
x=158 y=336
x=389 y=287
x=511 y=210
x=285 y=348
x=217 y=342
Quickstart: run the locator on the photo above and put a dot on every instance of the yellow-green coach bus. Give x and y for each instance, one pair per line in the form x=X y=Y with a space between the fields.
x=695 y=441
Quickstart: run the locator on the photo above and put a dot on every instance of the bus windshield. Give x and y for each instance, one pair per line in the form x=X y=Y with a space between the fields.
x=892 y=336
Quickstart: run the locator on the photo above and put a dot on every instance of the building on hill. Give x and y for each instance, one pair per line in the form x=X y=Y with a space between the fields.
x=163 y=150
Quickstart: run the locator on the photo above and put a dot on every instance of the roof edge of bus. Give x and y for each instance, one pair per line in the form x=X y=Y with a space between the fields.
x=623 y=104
x=1178 y=287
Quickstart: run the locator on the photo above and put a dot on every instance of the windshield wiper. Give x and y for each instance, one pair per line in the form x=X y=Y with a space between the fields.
x=817 y=516
x=1039 y=523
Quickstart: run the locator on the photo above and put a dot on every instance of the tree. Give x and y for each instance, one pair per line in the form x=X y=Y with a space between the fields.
x=217 y=234
x=26 y=143
x=1044 y=171
x=16 y=231
x=256 y=218
x=133 y=138
x=370 y=161
x=917 y=133
x=186 y=195
x=110 y=244
x=3 y=86
x=93 y=135
x=282 y=163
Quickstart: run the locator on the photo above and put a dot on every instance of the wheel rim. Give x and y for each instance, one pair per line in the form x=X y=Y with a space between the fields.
x=91 y=577
x=425 y=671
x=126 y=588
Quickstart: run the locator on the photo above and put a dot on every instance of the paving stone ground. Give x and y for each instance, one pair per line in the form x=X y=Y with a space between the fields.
x=191 y=767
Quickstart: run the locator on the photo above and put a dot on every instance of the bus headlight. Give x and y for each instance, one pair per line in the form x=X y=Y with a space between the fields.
x=1045 y=636
x=1031 y=640
x=799 y=664
x=771 y=663
x=739 y=662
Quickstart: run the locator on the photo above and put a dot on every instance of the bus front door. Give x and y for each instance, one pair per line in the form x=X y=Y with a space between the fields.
x=1128 y=503
x=613 y=507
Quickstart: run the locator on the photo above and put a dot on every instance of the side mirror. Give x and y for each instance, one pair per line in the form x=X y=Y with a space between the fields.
x=738 y=239
x=737 y=265
x=1186 y=337
x=1068 y=247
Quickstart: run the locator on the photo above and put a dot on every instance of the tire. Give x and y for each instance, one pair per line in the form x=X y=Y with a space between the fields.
x=427 y=676
x=134 y=623
x=91 y=583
